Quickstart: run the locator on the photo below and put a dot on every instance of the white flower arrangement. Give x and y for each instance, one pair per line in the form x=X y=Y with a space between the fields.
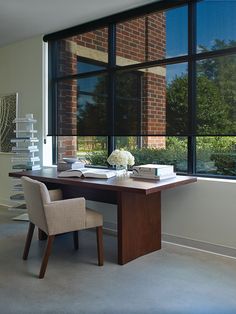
x=121 y=158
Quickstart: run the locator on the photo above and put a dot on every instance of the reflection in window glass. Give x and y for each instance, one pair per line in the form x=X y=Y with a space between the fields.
x=90 y=45
x=216 y=25
x=144 y=93
x=88 y=66
x=164 y=101
x=82 y=108
x=93 y=85
x=152 y=37
x=216 y=155
x=216 y=96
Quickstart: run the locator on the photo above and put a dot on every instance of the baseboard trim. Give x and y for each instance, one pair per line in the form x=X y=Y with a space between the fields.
x=200 y=245
x=111 y=228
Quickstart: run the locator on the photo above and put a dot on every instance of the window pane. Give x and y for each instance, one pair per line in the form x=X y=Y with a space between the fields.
x=156 y=149
x=128 y=103
x=216 y=96
x=153 y=101
x=92 y=149
x=177 y=32
x=177 y=99
x=149 y=102
x=91 y=115
x=88 y=65
x=91 y=45
x=93 y=85
x=216 y=25
x=216 y=155
x=126 y=142
x=82 y=107
x=152 y=37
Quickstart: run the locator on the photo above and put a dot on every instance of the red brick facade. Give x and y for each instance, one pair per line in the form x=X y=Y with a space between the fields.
x=138 y=40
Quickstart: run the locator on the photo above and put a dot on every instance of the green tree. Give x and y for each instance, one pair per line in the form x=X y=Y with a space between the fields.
x=216 y=95
x=93 y=109
x=211 y=108
x=222 y=72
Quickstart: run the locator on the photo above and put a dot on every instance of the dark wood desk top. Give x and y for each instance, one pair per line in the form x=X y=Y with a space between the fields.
x=119 y=184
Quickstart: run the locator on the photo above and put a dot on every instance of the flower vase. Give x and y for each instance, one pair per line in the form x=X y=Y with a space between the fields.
x=124 y=168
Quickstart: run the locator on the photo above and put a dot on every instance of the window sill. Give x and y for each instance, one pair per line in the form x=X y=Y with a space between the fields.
x=216 y=180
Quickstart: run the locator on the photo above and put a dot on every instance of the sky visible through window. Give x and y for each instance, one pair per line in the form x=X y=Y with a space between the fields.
x=216 y=19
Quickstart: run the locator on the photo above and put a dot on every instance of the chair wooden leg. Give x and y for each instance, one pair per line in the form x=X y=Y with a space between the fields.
x=47 y=253
x=76 y=239
x=28 y=240
x=100 y=245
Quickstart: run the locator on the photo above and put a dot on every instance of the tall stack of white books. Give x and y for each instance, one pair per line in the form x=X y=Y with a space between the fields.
x=153 y=171
x=25 y=153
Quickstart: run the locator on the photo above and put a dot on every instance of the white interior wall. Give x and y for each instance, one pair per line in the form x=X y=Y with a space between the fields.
x=201 y=214
x=21 y=71
x=204 y=211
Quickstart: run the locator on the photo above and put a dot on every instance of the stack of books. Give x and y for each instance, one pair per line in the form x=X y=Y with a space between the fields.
x=90 y=173
x=153 y=171
x=63 y=166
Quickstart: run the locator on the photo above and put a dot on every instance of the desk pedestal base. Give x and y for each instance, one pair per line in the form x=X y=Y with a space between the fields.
x=139 y=225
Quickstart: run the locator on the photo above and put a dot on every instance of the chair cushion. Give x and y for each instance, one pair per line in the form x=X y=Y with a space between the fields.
x=93 y=219
x=55 y=195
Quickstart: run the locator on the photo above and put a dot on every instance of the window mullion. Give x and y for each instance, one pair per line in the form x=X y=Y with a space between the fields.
x=111 y=85
x=52 y=95
x=192 y=87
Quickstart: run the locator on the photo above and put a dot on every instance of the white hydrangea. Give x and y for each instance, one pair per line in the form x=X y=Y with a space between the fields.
x=121 y=158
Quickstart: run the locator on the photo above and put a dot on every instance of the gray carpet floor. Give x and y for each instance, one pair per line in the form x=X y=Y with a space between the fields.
x=172 y=280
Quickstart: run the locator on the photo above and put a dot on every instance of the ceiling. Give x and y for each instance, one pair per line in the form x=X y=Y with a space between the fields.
x=22 y=19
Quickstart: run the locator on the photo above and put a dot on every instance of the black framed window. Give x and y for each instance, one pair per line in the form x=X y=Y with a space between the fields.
x=160 y=77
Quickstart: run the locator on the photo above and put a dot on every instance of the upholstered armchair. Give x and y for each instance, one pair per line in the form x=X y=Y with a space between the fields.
x=53 y=215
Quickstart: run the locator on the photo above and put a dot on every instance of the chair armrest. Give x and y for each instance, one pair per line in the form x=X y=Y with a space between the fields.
x=55 y=195
x=65 y=215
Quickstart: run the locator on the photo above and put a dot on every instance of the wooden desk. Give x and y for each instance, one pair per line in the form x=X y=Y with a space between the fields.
x=139 y=205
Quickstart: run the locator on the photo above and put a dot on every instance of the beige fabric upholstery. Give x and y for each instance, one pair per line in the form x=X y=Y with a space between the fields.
x=36 y=195
x=93 y=218
x=55 y=216
x=55 y=195
x=65 y=215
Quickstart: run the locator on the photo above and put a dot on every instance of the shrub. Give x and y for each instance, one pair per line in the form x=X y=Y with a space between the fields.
x=97 y=158
x=174 y=154
x=214 y=155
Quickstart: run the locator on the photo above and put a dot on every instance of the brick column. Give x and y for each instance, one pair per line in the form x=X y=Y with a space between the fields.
x=154 y=82
x=67 y=101
x=139 y=40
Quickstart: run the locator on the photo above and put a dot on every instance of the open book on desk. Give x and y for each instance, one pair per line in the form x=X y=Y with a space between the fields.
x=89 y=173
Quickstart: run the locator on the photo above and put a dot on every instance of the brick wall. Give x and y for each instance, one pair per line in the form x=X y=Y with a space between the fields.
x=67 y=102
x=138 y=40
x=142 y=39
